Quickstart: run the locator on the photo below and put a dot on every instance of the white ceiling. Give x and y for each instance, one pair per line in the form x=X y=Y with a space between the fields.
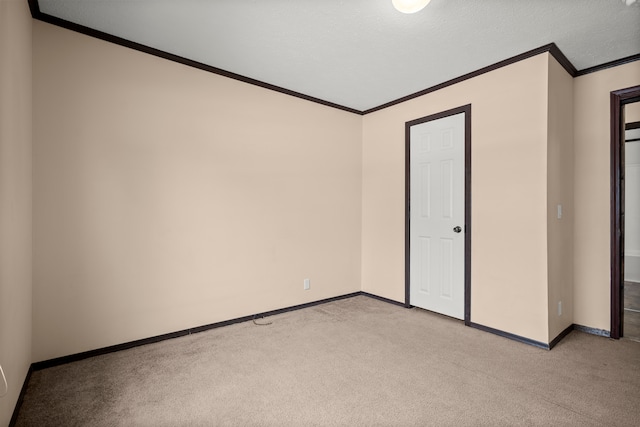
x=362 y=53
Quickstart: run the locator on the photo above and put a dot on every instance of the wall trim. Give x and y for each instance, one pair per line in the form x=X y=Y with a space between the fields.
x=23 y=391
x=387 y=300
x=609 y=64
x=511 y=336
x=551 y=48
x=37 y=366
x=592 y=331
x=560 y=336
x=40 y=16
x=552 y=344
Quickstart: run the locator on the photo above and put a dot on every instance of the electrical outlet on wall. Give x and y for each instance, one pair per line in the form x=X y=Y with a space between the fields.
x=559 y=308
x=307 y=284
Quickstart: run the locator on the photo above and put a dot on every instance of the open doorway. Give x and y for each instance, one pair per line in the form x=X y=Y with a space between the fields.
x=625 y=234
x=631 y=273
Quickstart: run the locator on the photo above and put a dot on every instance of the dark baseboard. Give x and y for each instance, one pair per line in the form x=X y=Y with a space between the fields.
x=510 y=336
x=387 y=300
x=553 y=343
x=539 y=344
x=131 y=344
x=592 y=331
x=36 y=366
x=270 y=313
x=560 y=336
x=16 y=409
x=124 y=346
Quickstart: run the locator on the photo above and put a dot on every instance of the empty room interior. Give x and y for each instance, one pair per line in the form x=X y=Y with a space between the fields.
x=462 y=180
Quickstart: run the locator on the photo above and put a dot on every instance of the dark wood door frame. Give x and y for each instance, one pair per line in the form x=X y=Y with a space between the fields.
x=619 y=99
x=466 y=109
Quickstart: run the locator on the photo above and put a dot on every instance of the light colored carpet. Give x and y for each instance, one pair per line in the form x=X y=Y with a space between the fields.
x=357 y=361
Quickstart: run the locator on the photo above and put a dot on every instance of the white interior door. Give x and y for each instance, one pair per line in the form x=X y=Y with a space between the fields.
x=437 y=212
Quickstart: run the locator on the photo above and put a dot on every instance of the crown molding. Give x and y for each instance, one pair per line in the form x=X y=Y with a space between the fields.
x=37 y=14
x=609 y=64
x=551 y=48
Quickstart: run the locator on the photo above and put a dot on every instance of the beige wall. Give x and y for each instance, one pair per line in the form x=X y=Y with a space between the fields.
x=15 y=199
x=560 y=192
x=592 y=267
x=509 y=209
x=167 y=197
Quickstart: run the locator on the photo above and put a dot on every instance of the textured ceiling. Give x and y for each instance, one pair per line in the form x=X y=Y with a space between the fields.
x=362 y=53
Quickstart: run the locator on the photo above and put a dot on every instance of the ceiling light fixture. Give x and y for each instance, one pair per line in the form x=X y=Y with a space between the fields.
x=409 y=6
